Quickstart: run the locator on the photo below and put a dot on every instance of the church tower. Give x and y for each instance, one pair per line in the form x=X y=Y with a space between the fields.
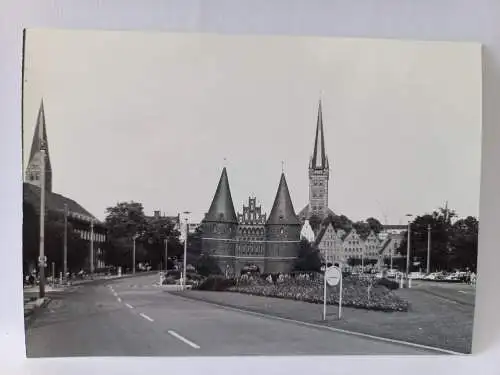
x=220 y=226
x=33 y=169
x=319 y=173
x=282 y=232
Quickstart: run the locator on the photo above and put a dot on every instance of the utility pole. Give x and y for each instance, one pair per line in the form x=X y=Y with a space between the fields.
x=41 y=258
x=91 y=247
x=408 y=250
x=185 y=253
x=428 y=249
x=133 y=255
x=166 y=254
x=65 y=255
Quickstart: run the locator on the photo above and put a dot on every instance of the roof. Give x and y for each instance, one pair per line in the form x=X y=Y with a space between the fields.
x=323 y=230
x=283 y=212
x=319 y=159
x=395 y=226
x=54 y=201
x=305 y=212
x=222 y=208
x=40 y=137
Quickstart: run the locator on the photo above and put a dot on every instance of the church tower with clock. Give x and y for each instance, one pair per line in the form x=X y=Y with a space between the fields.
x=319 y=175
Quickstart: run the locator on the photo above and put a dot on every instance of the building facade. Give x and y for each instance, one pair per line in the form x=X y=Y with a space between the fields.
x=87 y=226
x=336 y=246
x=249 y=238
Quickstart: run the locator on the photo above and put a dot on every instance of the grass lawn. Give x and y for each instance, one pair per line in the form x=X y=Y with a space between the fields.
x=430 y=321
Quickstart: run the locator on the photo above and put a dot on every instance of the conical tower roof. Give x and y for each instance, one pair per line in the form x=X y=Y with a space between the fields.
x=40 y=137
x=282 y=212
x=222 y=208
x=319 y=159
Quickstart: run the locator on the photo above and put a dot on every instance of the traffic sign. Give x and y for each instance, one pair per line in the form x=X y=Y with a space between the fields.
x=333 y=275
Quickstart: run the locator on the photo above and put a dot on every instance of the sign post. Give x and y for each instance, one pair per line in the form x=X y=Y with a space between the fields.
x=333 y=276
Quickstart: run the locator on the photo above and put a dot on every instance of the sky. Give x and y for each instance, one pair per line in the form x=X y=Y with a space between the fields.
x=154 y=117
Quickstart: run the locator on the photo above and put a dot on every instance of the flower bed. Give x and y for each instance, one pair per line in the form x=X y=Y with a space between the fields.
x=356 y=293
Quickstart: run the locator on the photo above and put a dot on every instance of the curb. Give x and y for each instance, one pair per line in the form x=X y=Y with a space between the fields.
x=321 y=326
x=33 y=307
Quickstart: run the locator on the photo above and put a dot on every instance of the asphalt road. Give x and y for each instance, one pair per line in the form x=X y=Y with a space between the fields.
x=132 y=317
x=448 y=292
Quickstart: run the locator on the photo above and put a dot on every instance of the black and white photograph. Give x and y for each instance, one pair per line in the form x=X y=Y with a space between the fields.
x=192 y=194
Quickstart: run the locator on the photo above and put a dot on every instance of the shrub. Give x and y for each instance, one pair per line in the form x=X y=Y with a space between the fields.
x=216 y=283
x=389 y=284
x=355 y=292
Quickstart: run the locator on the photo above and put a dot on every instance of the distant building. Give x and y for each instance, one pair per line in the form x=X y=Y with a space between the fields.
x=336 y=246
x=307 y=233
x=319 y=175
x=84 y=223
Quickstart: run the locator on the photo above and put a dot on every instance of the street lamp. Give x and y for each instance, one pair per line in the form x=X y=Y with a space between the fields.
x=185 y=252
x=42 y=258
x=65 y=250
x=428 y=249
x=91 y=258
x=408 y=248
x=136 y=236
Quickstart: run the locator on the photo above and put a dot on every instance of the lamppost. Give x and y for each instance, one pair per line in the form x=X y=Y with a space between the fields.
x=166 y=255
x=391 y=252
x=408 y=249
x=135 y=236
x=428 y=249
x=184 y=266
x=91 y=258
x=65 y=255
x=42 y=259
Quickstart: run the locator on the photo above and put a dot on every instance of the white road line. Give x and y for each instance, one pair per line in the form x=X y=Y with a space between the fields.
x=115 y=294
x=146 y=317
x=183 y=339
x=119 y=299
x=129 y=306
x=461 y=291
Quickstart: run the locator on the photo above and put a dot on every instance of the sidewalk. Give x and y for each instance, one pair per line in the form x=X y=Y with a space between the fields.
x=33 y=305
x=429 y=322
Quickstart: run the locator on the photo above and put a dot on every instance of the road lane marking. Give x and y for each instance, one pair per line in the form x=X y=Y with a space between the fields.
x=462 y=291
x=146 y=317
x=119 y=299
x=129 y=306
x=183 y=339
x=115 y=294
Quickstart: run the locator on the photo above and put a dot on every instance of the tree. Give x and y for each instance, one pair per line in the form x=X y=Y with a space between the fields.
x=123 y=222
x=362 y=228
x=341 y=222
x=156 y=231
x=374 y=225
x=31 y=236
x=453 y=245
x=315 y=222
x=206 y=265
x=464 y=243
x=126 y=220
x=308 y=259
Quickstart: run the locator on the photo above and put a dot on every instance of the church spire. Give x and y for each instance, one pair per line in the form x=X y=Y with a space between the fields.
x=319 y=159
x=282 y=212
x=222 y=208
x=39 y=142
